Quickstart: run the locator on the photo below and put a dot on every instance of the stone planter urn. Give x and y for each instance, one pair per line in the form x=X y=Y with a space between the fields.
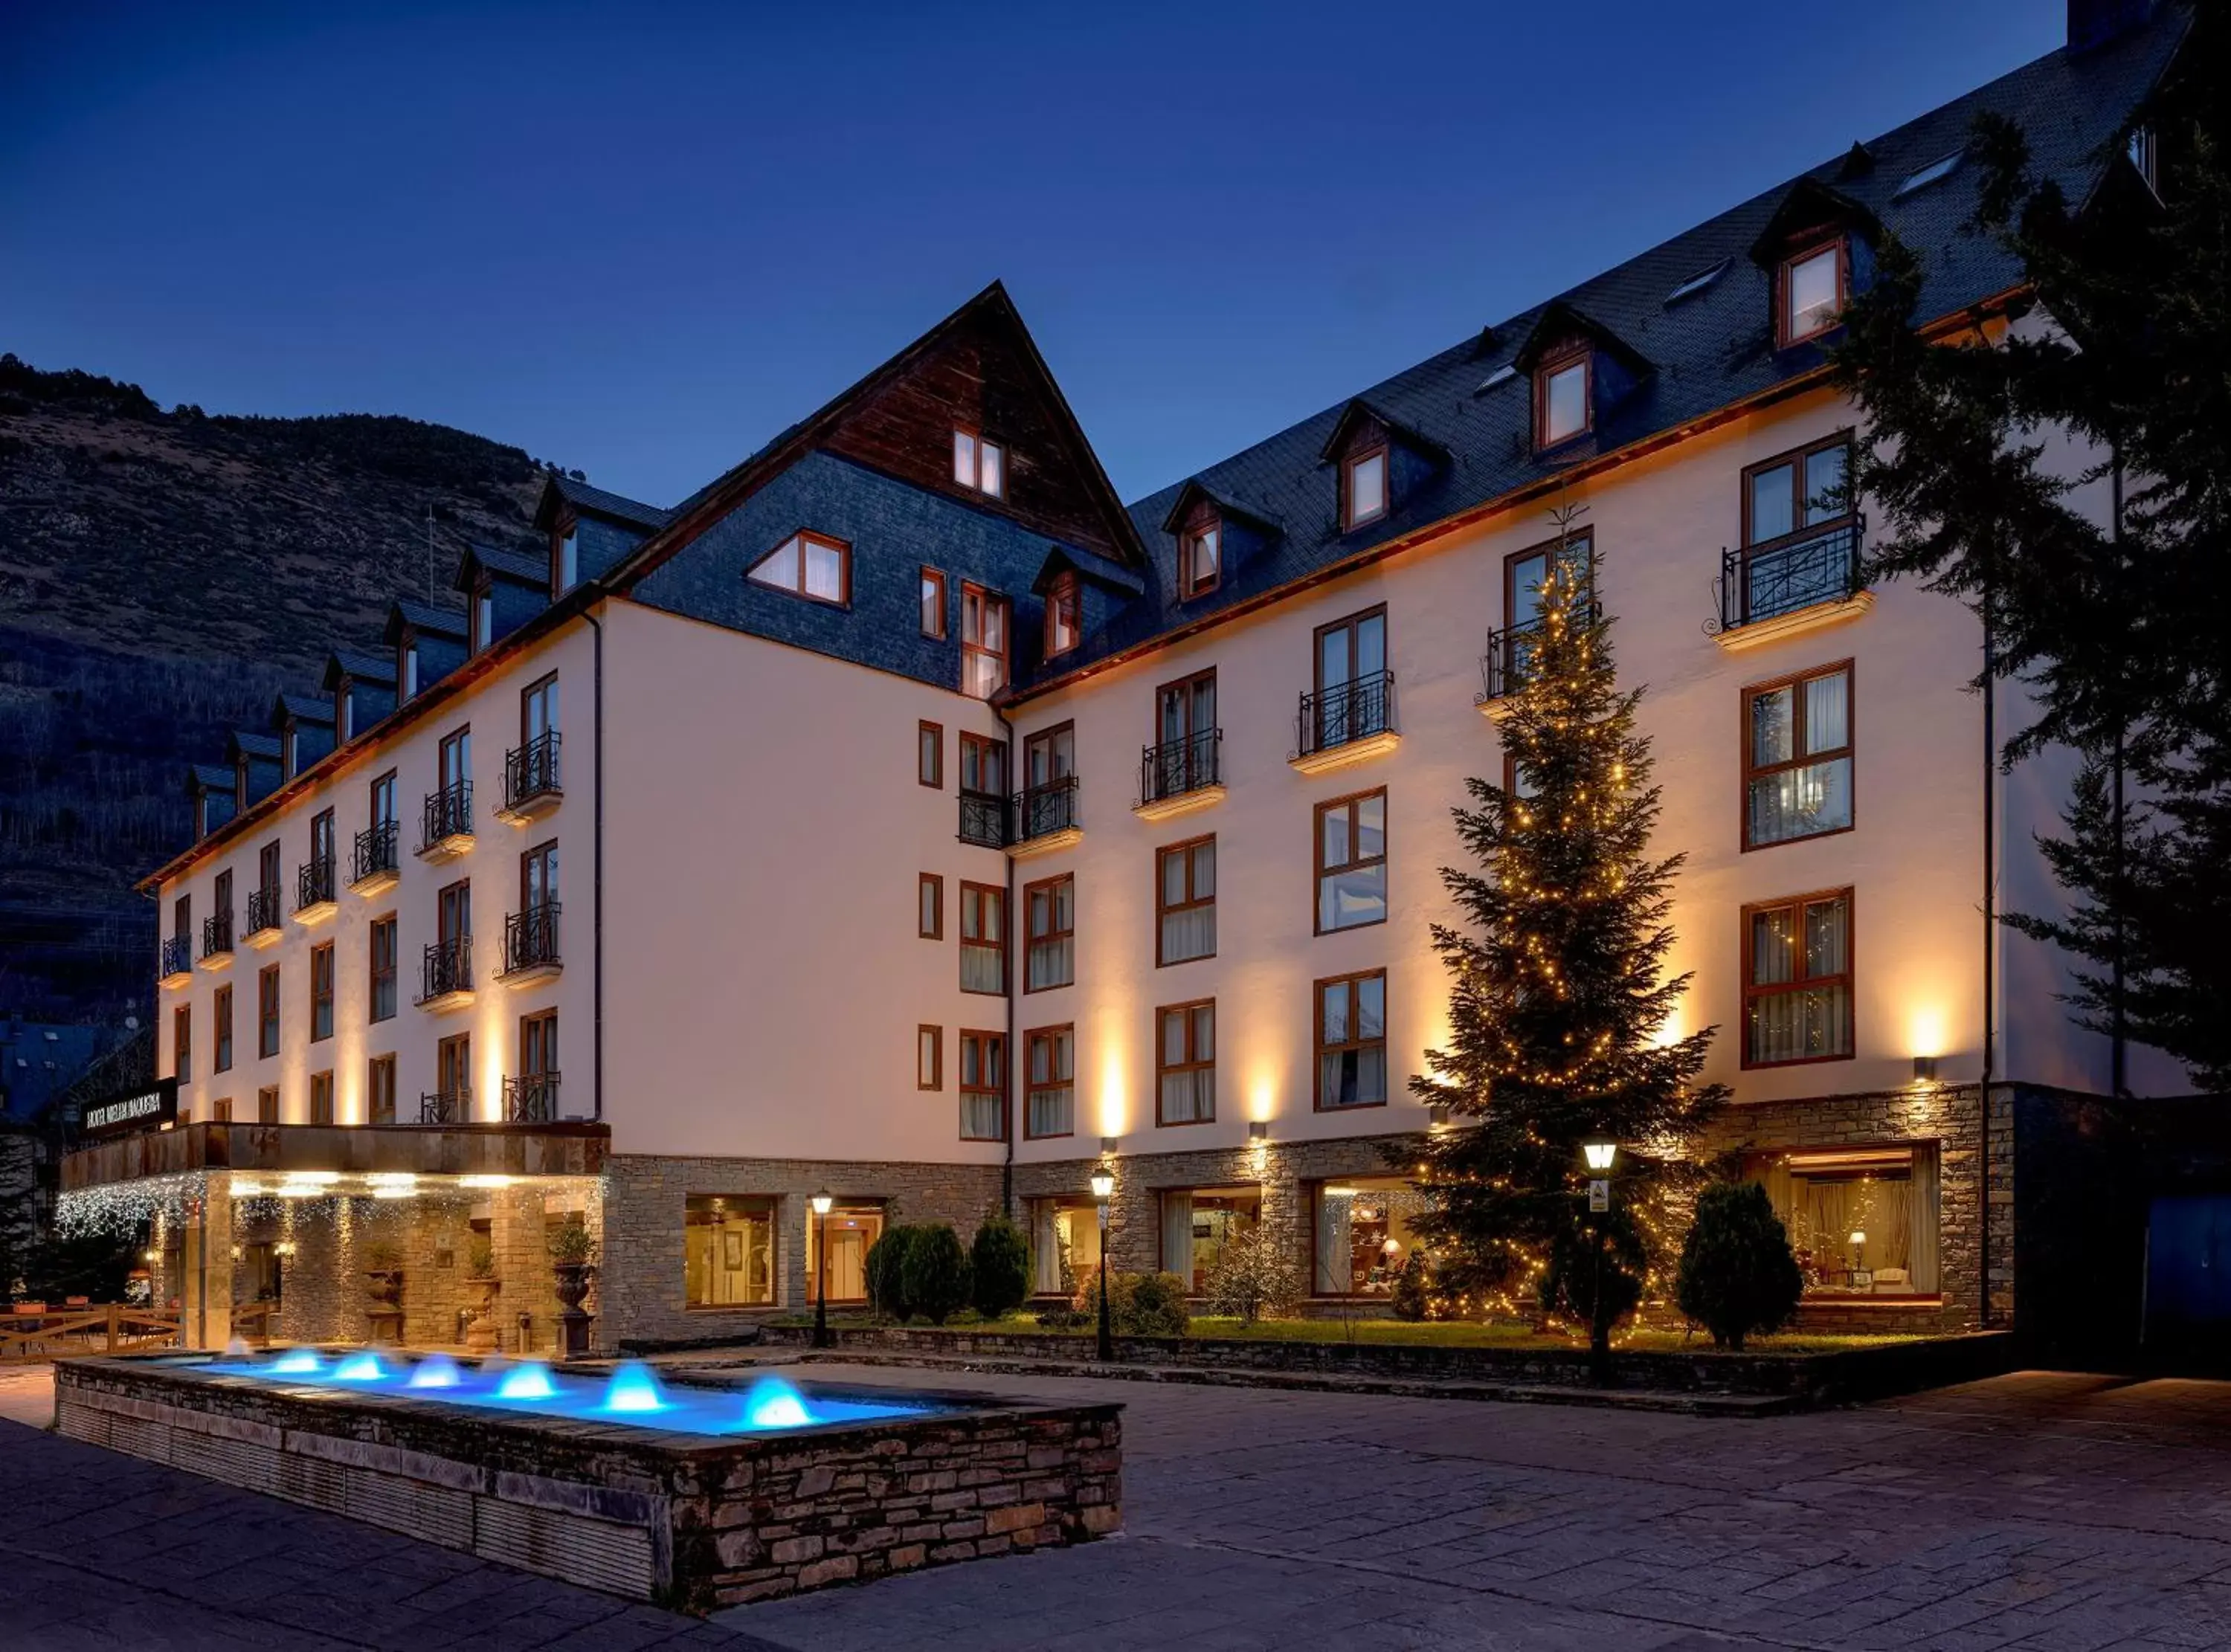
x=382 y=1283
x=572 y=1322
x=480 y=1328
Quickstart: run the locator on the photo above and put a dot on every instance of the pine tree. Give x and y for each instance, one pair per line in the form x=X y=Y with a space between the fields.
x=1558 y=999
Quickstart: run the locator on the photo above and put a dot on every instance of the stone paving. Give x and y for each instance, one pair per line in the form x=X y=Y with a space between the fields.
x=2034 y=1512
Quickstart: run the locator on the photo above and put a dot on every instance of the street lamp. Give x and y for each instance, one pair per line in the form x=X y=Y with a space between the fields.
x=1601 y=1157
x=1103 y=1187
x=821 y=1202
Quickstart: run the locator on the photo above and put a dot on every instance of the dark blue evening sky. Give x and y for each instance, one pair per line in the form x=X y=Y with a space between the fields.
x=640 y=239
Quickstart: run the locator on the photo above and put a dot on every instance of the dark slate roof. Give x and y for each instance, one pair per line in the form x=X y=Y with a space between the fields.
x=209 y=774
x=422 y=616
x=256 y=745
x=1098 y=568
x=518 y=566
x=1712 y=349
x=361 y=665
x=1193 y=488
x=595 y=500
x=303 y=708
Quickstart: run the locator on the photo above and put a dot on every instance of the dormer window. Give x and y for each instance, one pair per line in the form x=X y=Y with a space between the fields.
x=1064 y=617
x=1563 y=404
x=344 y=711
x=810 y=565
x=483 y=614
x=565 y=558
x=1200 y=558
x=979 y=464
x=286 y=753
x=1364 y=488
x=406 y=667
x=1812 y=292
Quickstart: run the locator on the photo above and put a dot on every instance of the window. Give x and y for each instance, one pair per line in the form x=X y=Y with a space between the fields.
x=286 y=751
x=1064 y=615
x=1361 y=1238
x=380 y=1090
x=1185 y=1063
x=1797 y=758
x=221 y=909
x=1049 y=1078
x=1564 y=407
x=383 y=800
x=538 y=885
x=182 y=1044
x=1049 y=922
x=983 y=642
x=1352 y=1042
x=1355 y=696
x=344 y=710
x=453 y=912
x=979 y=464
x=221 y=1111
x=1797 y=491
x=853 y=1230
x=930 y=889
x=537 y=1045
x=1185 y=757
x=266 y=869
x=456 y=760
x=321 y=843
x=1065 y=1244
x=1185 y=900
x=810 y=565
x=929 y=754
x=321 y=991
x=983 y=937
x=728 y=1251
x=933 y=602
x=406 y=667
x=221 y=1029
x=1364 y=488
x=983 y=1087
x=1812 y=292
x=383 y=969
x=483 y=617
x=2144 y=151
x=1863 y=1219
x=266 y=1105
x=565 y=557
x=1198 y=1223
x=929 y=1057
x=266 y=1011
x=321 y=1098
x=453 y=1077
x=538 y=709
x=983 y=765
x=1200 y=557
x=1797 y=980
x=1351 y=840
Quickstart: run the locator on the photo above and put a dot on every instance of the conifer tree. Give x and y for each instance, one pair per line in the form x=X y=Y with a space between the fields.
x=1560 y=1002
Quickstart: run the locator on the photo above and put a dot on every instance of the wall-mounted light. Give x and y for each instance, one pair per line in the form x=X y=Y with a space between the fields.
x=1924 y=1069
x=1258 y=1130
x=1437 y=1112
x=1108 y=1144
x=1600 y=1154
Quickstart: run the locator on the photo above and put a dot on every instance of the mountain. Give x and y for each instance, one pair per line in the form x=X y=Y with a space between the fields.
x=163 y=574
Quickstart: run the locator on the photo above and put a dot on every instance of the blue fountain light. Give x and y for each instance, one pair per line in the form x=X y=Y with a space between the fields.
x=298 y=1362
x=436 y=1371
x=634 y=1387
x=530 y=1381
x=771 y=1402
x=364 y=1368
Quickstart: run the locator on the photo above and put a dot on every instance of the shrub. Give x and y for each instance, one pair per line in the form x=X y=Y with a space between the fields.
x=935 y=1273
x=383 y=1256
x=999 y=1266
x=572 y=1244
x=886 y=1270
x=1154 y=1306
x=1739 y=1276
x=1414 y=1289
x=1252 y=1278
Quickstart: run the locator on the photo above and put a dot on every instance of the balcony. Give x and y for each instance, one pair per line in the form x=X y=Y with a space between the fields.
x=446 y=826
x=530 y=780
x=530 y=945
x=445 y=977
x=1795 y=584
x=375 y=866
x=174 y=963
x=1502 y=667
x=216 y=940
x=445 y=1106
x=984 y=820
x=531 y=1097
x=1180 y=775
x=314 y=892
x=1347 y=723
x=1046 y=819
x=263 y=928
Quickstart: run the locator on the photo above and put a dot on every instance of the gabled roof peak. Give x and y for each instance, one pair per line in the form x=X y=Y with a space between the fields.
x=1357 y=410
x=1808 y=204
x=1560 y=321
x=563 y=490
x=1194 y=490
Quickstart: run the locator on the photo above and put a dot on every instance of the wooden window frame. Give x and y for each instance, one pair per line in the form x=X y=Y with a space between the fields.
x=545 y=1042
x=1192 y=902
x=1579 y=545
x=322 y=953
x=1354 y=835
x=182 y=1044
x=221 y=1050
x=1192 y=1062
x=1069 y=935
x=568 y=526
x=267 y=1104
x=464 y=1041
x=1319 y=1049
x=997 y=1038
x=458 y=740
x=1204 y=523
x=998 y=892
x=221 y=1111
x=980 y=442
x=1352 y=623
x=934 y=577
x=802 y=538
x=933 y=884
x=408 y=688
x=323 y=1082
x=984 y=746
x=1786 y=269
x=1065 y=595
x=1803 y=759
x=269 y=1020
x=393 y=972
x=371 y=796
x=1849 y=975
x=443 y=934
x=547 y=680
x=936 y=1035
x=987 y=599
x=1382 y=451
x=480 y=616
x=1583 y=357
x=1795 y=458
x=372 y=1068
x=322 y=826
x=935 y=751
x=1031 y=1040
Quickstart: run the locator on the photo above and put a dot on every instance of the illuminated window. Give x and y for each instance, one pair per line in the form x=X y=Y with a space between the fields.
x=979 y=464
x=1185 y=1063
x=1797 y=758
x=1562 y=405
x=728 y=1251
x=1351 y=844
x=1863 y=1220
x=983 y=1087
x=1352 y=1042
x=1364 y=488
x=933 y=602
x=1812 y=292
x=1185 y=900
x=809 y=565
x=852 y=1230
x=1050 y=917
x=1797 y=980
x=1362 y=1238
x=1064 y=616
x=928 y=1058
x=983 y=642
x=1050 y=1079
x=1199 y=1223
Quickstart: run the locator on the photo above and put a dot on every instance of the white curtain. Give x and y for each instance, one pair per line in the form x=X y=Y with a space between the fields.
x=1051 y=1110
x=980 y=968
x=1177 y=1234
x=1923 y=1247
x=1051 y=963
x=1188 y=932
x=1189 y=1096
x=1045 y=1246
x=1335 y=1272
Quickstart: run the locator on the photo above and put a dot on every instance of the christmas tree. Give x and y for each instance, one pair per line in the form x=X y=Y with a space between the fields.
x=1560 y=1007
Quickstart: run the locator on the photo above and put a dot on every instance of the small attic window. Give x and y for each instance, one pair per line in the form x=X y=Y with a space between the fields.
x=344 y=709
x=565 y=557
x=979 y=464
x=1562 y=405
x=1364 y=488
x=1200 y=557
x=1064 y=616
x=406 y=667
x=2141 y=150
x=1812 y=291
x=1942 y=167
x=810 y=565
x=1697 y=283
x=483 y=613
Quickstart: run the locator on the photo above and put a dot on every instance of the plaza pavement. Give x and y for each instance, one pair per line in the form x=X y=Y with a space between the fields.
x=2034 y=1512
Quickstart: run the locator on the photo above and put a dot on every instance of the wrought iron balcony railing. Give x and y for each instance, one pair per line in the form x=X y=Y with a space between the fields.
x=176 y=957
x=1510 y=651
x=984 y=820
x=1762 y=582
x=447 y=968
x=445 y=1106
x=1176 y=767
x=314 y=885
x=1040 y=811
x=1347 y=711
x=376 y=852
x=216 y=934
x=530 y=938
x=530 y=1098
x=448 y=814
x=531 y=771
x=262 y=911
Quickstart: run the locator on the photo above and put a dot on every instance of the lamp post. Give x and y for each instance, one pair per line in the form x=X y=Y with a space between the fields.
x=821 y=1201
x=1601 y=1157
x=1103 y=1186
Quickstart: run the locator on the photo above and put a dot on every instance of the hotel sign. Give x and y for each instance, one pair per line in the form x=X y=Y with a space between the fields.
x=147 y=1108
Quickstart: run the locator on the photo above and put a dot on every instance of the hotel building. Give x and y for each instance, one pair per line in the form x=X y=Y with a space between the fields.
x=904 y=815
